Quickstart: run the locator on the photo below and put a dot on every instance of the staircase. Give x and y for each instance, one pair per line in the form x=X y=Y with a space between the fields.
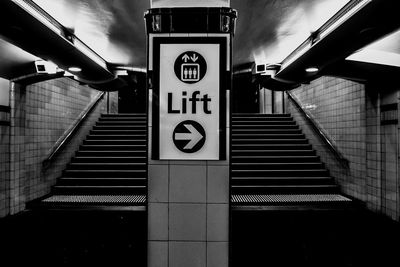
x=273 y=165
x=109 y=169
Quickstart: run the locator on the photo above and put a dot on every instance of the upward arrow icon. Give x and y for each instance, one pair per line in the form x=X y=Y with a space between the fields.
x=185 y=58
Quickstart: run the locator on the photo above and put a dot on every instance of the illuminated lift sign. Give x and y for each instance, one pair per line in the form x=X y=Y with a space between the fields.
x=189 y=101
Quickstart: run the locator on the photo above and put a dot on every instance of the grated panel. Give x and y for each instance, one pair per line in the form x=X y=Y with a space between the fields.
x=96 y=199
x=277 y=199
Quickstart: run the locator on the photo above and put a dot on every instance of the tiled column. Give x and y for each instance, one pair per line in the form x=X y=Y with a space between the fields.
x=188 y=212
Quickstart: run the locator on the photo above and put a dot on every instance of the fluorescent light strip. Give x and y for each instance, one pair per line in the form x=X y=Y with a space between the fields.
x=343 y=18
x=326 y=32
x=88 y=52
x=298 y=54
x=136 y=69
x=39 y=16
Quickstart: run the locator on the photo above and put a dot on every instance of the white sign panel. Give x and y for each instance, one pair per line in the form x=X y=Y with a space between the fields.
x=189 y=97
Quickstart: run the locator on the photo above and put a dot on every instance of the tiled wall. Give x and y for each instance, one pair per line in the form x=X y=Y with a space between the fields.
x=382 y=153
x=40 y=115
x=4 y=146
x=338 y=107
x=188 y=212
x=349 y=114
x=4 y=169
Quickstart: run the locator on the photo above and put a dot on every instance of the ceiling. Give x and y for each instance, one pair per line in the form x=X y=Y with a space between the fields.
x=267 y=31
x=10 y=65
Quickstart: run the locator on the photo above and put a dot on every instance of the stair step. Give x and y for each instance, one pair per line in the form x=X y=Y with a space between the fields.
x=258 y=115
x=73 y=181
x=121 y=123
x=123 y=127
x=111 y=161
x=274 y=159
x=278 y=166
x=116 y=132
x=258 y=132
x=114 y=142
x=112 y=147
x=108 y=159
x=271 y=152
x=251 y=141
x=271 y=155
x=261 y=119
x=122 y=115
x=255 y=135
x=271 y=147
x=65 y=189
x=281 y=180
x=110 y=153
x=264 y=127
x=106 y=166
x=278 y=173
x=141 y=119
x=138 y=137
x=285 y=189
x=246 y=123
x=105 y=173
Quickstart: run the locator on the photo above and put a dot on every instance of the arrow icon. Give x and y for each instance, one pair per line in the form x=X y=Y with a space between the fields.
x=194 y=58
x=194 y=136
x=185 y=58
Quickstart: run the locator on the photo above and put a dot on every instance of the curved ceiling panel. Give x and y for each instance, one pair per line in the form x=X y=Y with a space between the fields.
x=267 y=30
x=113 y=29
x=12 y=66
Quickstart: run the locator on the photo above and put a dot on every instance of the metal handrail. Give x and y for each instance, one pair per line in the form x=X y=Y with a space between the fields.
x=70 y=132
x=318 y=130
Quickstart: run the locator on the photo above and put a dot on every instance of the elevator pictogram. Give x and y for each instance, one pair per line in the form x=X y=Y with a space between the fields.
x=190 y=67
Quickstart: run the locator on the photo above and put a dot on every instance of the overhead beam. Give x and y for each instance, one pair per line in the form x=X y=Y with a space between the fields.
x=26 y=25
x=356 y=25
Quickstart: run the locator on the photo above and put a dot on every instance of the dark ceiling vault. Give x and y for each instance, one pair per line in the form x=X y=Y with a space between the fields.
x=267 y=31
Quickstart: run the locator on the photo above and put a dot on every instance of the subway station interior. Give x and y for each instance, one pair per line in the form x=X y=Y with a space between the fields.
x=213 y=133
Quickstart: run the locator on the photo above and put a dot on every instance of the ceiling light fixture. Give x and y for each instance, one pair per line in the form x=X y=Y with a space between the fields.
x=74 y=69
x=312 y=69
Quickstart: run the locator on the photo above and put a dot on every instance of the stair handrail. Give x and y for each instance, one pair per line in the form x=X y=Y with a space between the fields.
x=63 y=140
x=318 y=130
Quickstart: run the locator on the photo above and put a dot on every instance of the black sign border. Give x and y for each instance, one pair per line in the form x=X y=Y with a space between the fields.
x=223 y=87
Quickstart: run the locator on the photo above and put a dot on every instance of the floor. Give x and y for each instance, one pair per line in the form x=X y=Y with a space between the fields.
x=74 y=239
x=258 y=239
x=313 y=238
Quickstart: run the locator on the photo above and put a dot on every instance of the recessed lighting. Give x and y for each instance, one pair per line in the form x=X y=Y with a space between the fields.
x=74 y=69
x=312 y=69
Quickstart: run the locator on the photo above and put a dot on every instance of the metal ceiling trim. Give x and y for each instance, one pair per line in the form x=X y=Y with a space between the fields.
x=28 y=26
x=357 y=24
